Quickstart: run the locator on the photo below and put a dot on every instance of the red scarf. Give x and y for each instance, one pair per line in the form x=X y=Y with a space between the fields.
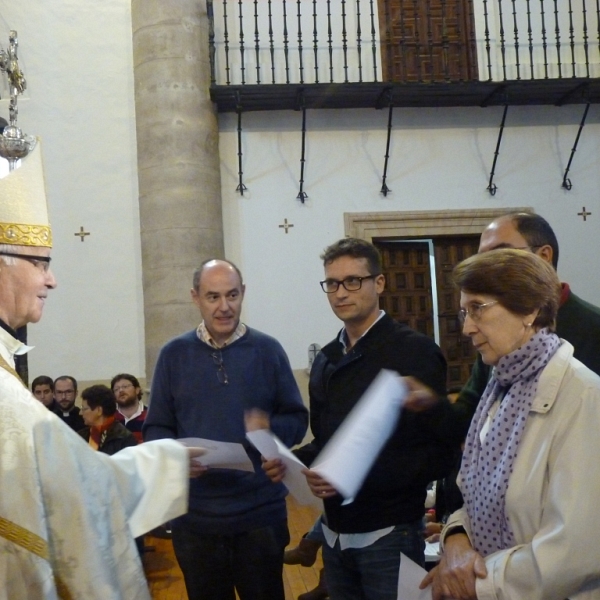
x=98 y=432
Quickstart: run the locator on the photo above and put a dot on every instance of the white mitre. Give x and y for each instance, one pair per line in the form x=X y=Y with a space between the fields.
x=23 y=205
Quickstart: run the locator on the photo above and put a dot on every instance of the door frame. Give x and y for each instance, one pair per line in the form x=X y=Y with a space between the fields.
x=425 y=223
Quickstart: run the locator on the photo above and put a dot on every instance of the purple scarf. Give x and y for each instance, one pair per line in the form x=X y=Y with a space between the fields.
x=486 y=466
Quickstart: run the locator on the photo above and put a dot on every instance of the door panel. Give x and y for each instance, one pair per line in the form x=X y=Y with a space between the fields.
x=427 y=40
x=408 y=296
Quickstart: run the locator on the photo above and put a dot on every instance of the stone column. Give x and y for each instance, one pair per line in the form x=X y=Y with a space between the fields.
x=178 y=161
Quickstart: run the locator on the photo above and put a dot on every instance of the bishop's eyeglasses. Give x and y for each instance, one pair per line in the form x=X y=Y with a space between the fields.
x=40 y=262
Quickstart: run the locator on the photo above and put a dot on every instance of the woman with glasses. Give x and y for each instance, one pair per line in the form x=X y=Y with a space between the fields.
x=531 y=461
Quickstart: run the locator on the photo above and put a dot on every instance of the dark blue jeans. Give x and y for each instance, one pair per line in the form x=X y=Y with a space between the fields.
x=214 y=566
x=371 y=573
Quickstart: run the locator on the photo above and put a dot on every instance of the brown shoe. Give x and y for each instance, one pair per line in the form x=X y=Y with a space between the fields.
x=305 y=553
x=319 y=593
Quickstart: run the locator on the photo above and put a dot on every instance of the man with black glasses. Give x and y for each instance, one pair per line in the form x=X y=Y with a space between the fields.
x=364 y=539
x=205 y=381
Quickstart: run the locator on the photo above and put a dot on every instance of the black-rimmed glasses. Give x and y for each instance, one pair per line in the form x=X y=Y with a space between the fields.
x=221 y=372
x=352 y=284
x=40 y=262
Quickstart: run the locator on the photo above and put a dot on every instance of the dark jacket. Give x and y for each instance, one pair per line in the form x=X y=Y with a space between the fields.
x=117 y=438
x=418 y=451
x=73 y=419
x=577 y=321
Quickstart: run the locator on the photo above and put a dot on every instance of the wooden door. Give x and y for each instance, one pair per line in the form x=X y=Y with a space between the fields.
x=407 y=296
x=427 y=40
x=458 y=350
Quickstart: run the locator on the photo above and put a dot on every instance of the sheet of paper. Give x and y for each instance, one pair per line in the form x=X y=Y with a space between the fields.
x=270 y=446
x=409 y=579
x=221 y=455
x=350 y=453
x=432 y=552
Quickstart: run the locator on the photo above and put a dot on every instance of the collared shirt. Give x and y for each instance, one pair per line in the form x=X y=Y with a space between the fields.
x=354 y=540
x=10 y=343
x=137 y=413
x=204 y=335
x=343 y=337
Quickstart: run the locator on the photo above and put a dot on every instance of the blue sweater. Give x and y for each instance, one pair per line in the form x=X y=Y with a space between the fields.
x=188 y=400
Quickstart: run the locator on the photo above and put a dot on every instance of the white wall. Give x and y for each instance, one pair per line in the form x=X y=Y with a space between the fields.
x=440 y=159
x=78 y=63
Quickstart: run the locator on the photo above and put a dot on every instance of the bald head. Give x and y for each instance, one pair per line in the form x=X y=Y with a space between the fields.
x=218 y=292
x=525 y=231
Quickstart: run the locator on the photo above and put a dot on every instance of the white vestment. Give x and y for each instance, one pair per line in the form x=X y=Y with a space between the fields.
x=83 y=507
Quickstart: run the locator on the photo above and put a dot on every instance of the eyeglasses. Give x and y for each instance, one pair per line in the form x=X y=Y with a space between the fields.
x=352 y=284
x=40 y=262
x=65 y=393
x=118 y=388
x=474 y=311
x=221 y=373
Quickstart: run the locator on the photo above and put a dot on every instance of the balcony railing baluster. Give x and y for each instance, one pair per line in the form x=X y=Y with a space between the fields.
x=358 y=41
x=544 y=39
x=330 y=41
x=530 y=39
x=241 y=37
x=226 y=39
x=286 y=43
x=557 y=37
x=516 y=34
x=301 y=66
x=502 y=44
x=211 y=40
x=373 y=40
x=487 y=39
x=316 y=41
x=271 y=44
x=344 y=41
x=572 y=39
x=256 y=42
x=585 y=39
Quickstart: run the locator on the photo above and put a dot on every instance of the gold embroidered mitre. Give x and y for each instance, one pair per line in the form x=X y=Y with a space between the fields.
x=23 y=207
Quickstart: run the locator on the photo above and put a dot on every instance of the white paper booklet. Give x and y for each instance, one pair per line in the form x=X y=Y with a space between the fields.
x=221 y=455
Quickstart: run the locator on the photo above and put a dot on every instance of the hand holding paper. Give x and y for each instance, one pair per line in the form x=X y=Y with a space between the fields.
x=291 y=474
x=350 y=453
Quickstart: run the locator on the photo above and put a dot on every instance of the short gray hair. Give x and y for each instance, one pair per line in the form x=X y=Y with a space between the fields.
x=10 y=260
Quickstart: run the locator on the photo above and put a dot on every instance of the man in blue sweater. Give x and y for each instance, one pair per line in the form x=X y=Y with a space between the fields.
x=205 y=382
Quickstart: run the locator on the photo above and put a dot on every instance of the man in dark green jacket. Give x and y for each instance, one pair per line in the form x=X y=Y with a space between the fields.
x=577 y=321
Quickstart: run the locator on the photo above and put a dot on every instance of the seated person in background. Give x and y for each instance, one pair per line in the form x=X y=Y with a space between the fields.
x=65 y=394
x=130 y=410
x=103 y=432
x=531 y=453
x=42 y=388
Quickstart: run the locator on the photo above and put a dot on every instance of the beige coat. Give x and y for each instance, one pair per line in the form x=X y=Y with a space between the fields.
x=553 y=495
